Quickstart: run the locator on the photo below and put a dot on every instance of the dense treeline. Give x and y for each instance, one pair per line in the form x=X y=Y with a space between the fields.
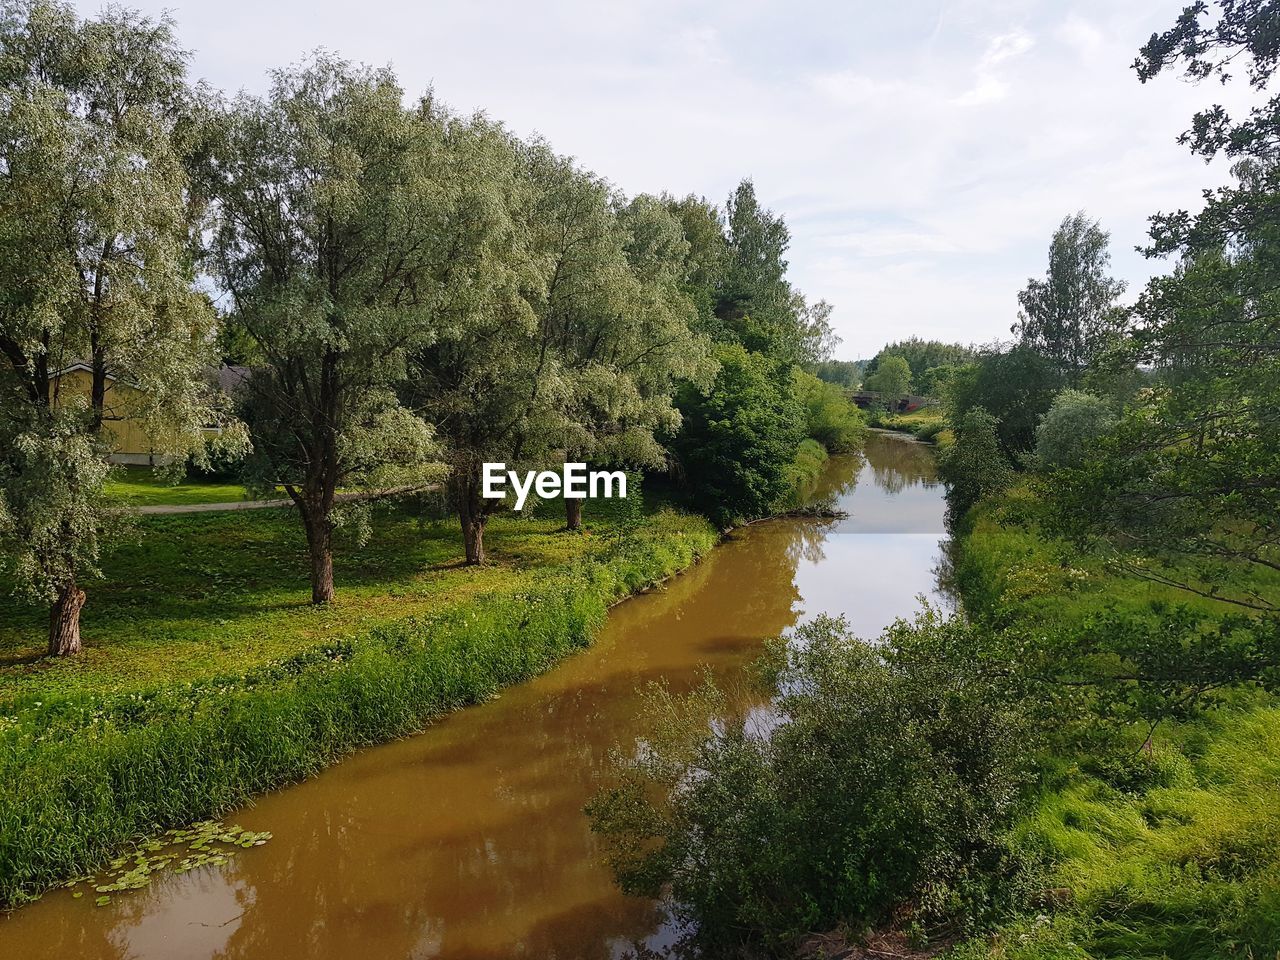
x=929 y=365
x=413 y=293
x=1114 y=488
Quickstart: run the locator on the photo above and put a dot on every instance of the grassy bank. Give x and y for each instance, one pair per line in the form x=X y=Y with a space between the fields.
x=928 y=424
x=209 y=681
x=1168 y=850
x=1175 y=854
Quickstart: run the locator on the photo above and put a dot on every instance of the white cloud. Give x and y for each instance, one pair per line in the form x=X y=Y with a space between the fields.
x=701 y=44
x=991 y=84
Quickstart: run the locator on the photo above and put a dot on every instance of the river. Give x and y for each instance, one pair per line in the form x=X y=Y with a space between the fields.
x=468 y=840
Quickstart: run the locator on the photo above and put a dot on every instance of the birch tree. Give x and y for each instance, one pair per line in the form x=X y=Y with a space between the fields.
x=1071 y=314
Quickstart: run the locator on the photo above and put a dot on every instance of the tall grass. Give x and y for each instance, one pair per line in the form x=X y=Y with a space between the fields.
x=84 y=773
x=1174 y=854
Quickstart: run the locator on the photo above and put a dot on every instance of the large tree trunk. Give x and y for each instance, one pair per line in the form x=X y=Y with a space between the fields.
x=572 y=513
x=64 y=621
x=473 y=539
x=320 y=546
x=472 y=521
x=471 y=515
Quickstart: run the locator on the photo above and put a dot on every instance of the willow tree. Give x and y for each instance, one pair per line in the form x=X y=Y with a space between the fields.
x=613 y=318
x=649 y=350
x=96 y=267
x=488 y=381
x=326 y=196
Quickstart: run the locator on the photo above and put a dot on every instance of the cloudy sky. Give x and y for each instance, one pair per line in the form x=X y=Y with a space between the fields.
x=922 y=151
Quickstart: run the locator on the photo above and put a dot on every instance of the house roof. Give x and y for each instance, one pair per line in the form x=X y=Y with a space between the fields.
x=230 y=377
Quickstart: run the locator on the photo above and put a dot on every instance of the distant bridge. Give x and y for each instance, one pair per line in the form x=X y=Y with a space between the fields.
x=905 y=404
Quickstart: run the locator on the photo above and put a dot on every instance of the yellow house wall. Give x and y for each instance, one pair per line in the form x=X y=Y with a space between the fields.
x=120 y=400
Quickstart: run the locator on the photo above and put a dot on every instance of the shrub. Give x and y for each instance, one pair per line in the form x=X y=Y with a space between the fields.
x=882 y=784
x=830 y=416
x=1071 y=428
x=738 y=437
x=805 y=470
x=1016 y=387
x=974 y=467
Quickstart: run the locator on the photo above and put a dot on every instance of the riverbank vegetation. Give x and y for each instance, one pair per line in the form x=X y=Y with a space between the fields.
x=406 y=294
x=1114 y=488
x=164 y=730
x=403 y=294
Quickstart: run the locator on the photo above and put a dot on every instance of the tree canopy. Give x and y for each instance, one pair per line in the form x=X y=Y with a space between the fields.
x=97 y=268
x=1071 y=315
x=321 y=190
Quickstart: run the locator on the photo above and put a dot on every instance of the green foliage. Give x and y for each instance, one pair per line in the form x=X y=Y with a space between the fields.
x=803 y=473
x=926 y=423
x=923 y=356
x=1016 y=387
x=615 y=322
x=830 y=416
x=1095 y=646
x=1171 y=853
x=736 y=272
x=96 y=267
x=1070 y=316
x=891 y=379
x=886 y=779
x=934 y=381
x=755 y=299
x=974 y=467
x=1071 y=429
x=843 y=373
x=319 y=190
x=1189 y=486
x=739 y=437
x=84 y=772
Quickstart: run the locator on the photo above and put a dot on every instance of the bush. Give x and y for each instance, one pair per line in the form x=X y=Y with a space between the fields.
x=1071 y=428
x=887 y=784
x=830 y=416
x=1015 y=387
x=975 y=466
x=805 y=470
x=738 y=437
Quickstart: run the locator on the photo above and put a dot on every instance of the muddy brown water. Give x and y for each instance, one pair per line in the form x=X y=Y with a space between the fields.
x=468 y=840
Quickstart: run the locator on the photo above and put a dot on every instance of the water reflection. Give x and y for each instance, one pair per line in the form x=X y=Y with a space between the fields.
x=468 y=841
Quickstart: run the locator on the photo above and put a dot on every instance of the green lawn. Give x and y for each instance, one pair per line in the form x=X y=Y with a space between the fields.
x=194 y=595
x=141 y=487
